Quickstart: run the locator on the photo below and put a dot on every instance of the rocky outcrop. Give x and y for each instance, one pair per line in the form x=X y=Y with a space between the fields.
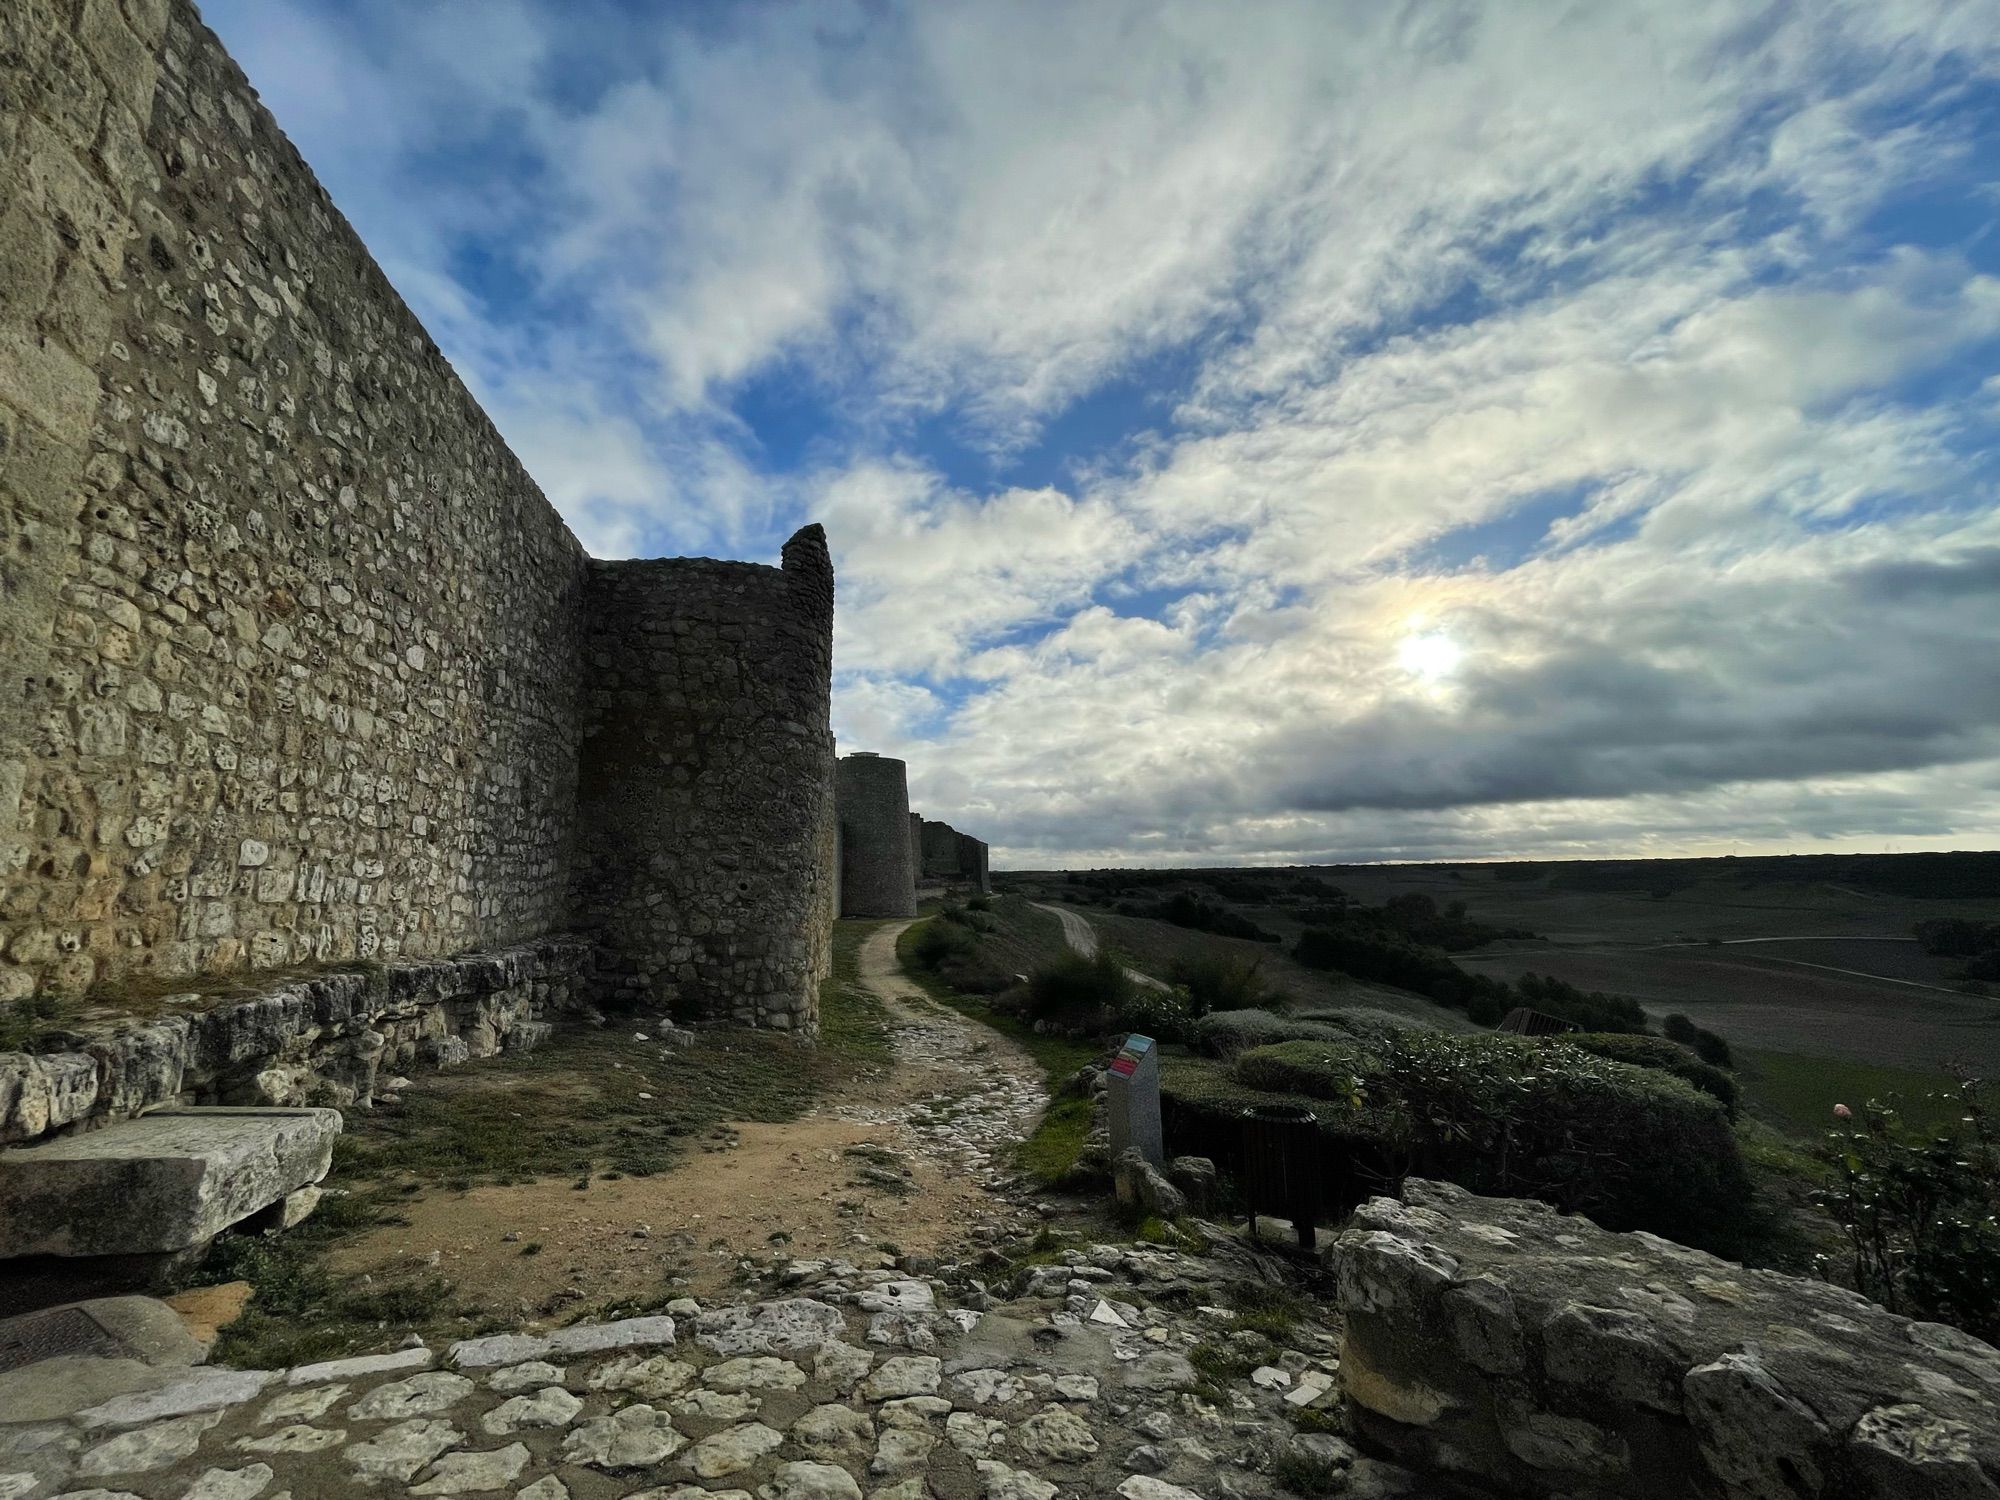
x=1500 y=1343
x=321 y=1040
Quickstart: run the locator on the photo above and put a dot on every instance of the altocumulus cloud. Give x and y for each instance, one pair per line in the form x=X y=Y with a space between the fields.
x=1266 y=431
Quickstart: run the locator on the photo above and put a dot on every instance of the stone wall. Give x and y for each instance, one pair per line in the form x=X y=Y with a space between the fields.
x=292 y=649
x=706 y=794
x=292 y=639
x=940 y=851
x=327 y=1039
x=876 y=878
x=972 y=864
x=1499 y=1343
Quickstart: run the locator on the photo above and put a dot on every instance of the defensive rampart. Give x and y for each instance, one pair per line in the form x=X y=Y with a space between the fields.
x=876 y=877
x=294 y=662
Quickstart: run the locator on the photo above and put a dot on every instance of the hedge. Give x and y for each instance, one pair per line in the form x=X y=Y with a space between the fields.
x=1655 y=1052
x=1634 y=1148
x=1224 y=1033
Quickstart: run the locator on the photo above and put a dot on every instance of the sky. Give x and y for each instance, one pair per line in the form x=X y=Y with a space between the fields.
x=1258 y=433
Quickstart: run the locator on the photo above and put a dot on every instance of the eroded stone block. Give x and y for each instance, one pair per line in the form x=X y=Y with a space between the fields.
x=164 y=1182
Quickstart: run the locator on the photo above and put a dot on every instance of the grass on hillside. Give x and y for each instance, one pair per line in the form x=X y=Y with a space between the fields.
x=1797 y=1094
x=572 y=1108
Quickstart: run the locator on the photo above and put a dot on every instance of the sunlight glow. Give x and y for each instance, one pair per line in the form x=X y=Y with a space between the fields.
x=1430 y=656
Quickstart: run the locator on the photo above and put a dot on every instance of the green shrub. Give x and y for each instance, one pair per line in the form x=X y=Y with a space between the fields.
x=1224 y=1033
x=937 y=943
x=1593 y=1010
x=1186 y=909
x=1656 y=1052
x=1075 y=990
x=1632 y=1147
x=1922 y=1218
x=1164 y=1015
x=1218 y=981
x=1707 y=1046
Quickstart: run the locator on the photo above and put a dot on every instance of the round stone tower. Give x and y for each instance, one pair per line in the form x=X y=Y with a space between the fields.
x=876 y=877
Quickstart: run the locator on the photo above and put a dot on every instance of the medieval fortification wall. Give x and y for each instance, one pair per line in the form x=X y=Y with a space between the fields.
x=876 y=876
x=296 y=663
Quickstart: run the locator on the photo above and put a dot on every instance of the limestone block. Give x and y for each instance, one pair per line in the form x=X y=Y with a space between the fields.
x=1529 y=1353
x=164 y=1182
x=44 y=1093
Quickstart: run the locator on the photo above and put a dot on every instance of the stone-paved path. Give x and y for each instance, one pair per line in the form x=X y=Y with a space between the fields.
x=834 y=1383
x=983 y=1092
x=826 y=1378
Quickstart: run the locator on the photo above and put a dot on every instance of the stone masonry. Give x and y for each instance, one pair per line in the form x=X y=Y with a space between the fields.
x=707 y=788
x=296 y=662
x=876 y=878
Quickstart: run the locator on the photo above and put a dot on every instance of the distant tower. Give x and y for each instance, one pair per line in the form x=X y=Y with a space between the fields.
x=876 y=878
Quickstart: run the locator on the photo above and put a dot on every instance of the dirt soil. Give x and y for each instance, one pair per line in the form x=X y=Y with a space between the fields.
x=909 y=1158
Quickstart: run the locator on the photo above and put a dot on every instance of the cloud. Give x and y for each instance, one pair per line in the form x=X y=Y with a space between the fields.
x=1160 y=369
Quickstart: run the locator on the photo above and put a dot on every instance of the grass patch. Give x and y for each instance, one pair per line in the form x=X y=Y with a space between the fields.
x=1797 y=1094
x=1050 y=1154
x=303 y=1312
x=1303 y=1474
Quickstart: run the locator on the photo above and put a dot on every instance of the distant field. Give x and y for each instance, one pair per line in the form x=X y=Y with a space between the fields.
x=1798 y=1094
x=1761 y=1003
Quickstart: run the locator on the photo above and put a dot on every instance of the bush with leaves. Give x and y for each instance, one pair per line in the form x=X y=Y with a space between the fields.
x=1705 y=1044
x=1921 y=1215
x=937 y=943
x=1633 y=1148
x=1655 y=1052
x=1075 y=991
x=1220 y=981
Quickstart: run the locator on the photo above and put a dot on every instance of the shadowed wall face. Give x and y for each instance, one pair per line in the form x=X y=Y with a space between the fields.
x=940 y=851
x=877 y=879
x=292 y=650
x=288 y=638
x=706 y=794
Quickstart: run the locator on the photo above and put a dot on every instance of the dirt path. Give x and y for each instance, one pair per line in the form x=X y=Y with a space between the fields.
x=916 y=1156
x=1081 y=936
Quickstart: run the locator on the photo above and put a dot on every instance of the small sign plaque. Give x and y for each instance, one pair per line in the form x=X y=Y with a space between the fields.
x=1132 y=1102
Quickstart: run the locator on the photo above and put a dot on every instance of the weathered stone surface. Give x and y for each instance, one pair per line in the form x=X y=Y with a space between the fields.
x=812 y=1481
x=200 y=1390
x=416 y=1396
x=471 y=1473
x=245 y=1483
x=166 y=1182
x=301 y=667
x=360 y=1366
x=905 y=1375
x=795 y=1325
x=564 y=1343
x=147 y=1448
x=552 y=1406
x=398 y=1452
x=1505 y=1345
x=877 y=876
x=627 y=1439
x=732 y=1450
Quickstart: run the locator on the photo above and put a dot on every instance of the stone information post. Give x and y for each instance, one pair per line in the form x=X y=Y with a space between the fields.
x=1133 y=1101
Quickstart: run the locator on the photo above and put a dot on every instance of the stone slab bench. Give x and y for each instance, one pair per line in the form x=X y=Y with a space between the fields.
x=162 y=1183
